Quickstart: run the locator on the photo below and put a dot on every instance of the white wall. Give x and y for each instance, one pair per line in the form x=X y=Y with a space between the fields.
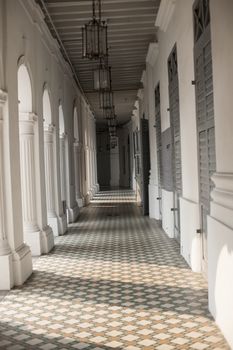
x=23 y=33
x=176 y=26
x=220 y=222
x=179 y=31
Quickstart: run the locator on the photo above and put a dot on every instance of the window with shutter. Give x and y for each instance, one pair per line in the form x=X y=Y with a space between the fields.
x=159 y=145
x=204 y=111
x=174 y=108
x=145 y=163
x=175 y=119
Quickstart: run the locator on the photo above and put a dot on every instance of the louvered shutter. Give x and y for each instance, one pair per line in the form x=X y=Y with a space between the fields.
x=205 y=118
x=175 y=119
x=158 y=135
x=145 y=159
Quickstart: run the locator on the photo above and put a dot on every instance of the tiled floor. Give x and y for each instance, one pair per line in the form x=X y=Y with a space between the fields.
x=115 y=281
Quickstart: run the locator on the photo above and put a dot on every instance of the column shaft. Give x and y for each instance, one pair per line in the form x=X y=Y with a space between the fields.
x=76 y=171
x=27 y=169
x=4 y=246
x=62 y=167
x=49 y=171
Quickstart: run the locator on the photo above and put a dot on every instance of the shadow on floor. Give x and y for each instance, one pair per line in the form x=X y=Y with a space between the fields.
x=39 y=340
x=141 y=296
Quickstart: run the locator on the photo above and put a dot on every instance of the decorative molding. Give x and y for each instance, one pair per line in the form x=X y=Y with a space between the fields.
x=152 y=53
x=223 y=180
x=49 y=128
x=36 y=17
x=140 y=94
x=143 y=78
x=222 y=195
x=223 y=191
x=3 y=97
x=62 y=135
x=165 y=13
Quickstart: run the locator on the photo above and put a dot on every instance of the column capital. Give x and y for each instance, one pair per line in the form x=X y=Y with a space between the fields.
x=62 y=135
x=49 y=128
x=26 y=123
x=77 y=143
x=28 y=117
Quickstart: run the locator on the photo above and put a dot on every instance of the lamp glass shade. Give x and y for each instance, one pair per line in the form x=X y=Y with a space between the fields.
x=101 y=78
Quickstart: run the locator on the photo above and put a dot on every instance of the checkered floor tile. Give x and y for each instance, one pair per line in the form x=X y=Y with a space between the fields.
x=115 y=281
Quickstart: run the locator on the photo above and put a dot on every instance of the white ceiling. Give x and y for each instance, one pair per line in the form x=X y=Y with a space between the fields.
x=130 y=30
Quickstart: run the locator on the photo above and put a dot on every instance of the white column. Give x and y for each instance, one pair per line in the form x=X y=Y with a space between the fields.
x=6 y=269
x=92 y=155
x=49 y=178
x=71 y=203
x=32 y=232
x=89 y=155
x=77 y=173
x=62 y=167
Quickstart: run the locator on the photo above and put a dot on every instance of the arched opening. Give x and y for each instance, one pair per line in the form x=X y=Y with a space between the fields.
x=24 y=90
x=27 y=122
x=61 y=120
x=47 y=111
x=76 y=128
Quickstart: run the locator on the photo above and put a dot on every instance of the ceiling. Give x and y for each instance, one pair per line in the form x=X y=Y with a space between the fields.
x=130 y=30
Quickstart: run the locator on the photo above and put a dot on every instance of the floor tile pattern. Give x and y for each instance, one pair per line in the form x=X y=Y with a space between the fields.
x=115 y=281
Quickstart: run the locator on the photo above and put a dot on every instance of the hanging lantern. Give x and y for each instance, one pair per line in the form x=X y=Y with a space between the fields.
x=106 y=96
x=109 y=113
x=102 y=77
x=112 y=133
x=112 y=122
x=106 y=99
x=112 y=129
x=94 y=35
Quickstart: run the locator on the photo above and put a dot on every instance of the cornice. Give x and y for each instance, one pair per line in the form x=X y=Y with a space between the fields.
x=165 y=13
x=143 y=78
x=152 y=53
x=140 y=94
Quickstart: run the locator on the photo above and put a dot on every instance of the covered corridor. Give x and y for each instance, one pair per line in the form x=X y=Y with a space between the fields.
x=115 y=280
x=116 y=174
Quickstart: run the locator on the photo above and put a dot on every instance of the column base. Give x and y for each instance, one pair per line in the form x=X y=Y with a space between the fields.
x=80 y=202
x=47 y=239
x=62 y=222
x=154 y=202
x=22 y=264
x=220 y=281
x=54 y=224
x=6 y=272
x=73 y=213
x=87 y=199
x=92 y=192
x=35 y=241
